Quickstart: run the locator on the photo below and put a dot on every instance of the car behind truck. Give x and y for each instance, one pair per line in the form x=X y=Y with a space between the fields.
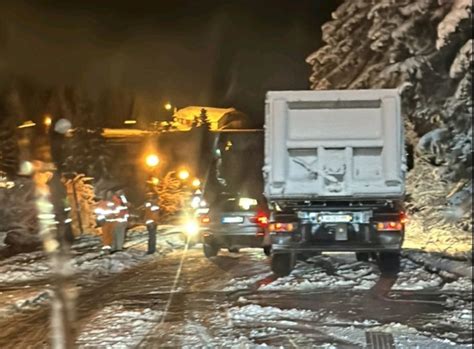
x=334 y=175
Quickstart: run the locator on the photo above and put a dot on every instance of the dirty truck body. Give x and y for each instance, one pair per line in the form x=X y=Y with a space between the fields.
x=334 y=174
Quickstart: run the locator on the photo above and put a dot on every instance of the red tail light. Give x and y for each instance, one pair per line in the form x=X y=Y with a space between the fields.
x=403 y=217
x=389 y=226
x=205 y=220
x=261 y=219
x=282 y=227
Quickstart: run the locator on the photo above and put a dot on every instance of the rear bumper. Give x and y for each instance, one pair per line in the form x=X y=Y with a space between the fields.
x=385 y=242
x=234 y=239
x=335 y=248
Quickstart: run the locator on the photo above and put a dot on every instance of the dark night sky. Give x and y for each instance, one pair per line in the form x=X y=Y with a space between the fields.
x=219 y=53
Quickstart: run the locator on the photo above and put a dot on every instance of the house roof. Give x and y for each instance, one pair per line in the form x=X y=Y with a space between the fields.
x=213 y=114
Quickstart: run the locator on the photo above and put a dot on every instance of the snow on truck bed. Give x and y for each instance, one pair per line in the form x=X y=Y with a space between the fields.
x=346 y=143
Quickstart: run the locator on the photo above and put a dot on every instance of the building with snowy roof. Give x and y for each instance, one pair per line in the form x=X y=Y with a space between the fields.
x=219 y=118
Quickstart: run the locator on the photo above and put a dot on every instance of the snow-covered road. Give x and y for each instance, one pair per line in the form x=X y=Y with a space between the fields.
x=233 y=300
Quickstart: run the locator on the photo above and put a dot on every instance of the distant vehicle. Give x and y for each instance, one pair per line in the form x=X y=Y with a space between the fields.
x=190 y=228
x=335 y=175
x=234 y=223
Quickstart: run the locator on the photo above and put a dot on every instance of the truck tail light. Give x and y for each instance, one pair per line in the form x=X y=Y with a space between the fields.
x=205 y=220
x=389 y=226
x=281 y=227
x=403 y=217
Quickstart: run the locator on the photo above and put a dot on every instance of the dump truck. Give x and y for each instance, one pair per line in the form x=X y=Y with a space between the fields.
x=334 y=175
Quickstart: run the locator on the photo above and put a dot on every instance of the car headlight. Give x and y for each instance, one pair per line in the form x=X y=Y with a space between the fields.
x=191 y=228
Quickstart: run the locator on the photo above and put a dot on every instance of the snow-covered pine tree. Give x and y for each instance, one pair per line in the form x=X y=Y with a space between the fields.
x=171 y=196
x=204 y=119
x=88 y=154
x=80 y=195
x=9 y=152
x=424 y=46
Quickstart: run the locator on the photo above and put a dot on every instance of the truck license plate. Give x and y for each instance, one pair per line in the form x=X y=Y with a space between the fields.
x=340 y=218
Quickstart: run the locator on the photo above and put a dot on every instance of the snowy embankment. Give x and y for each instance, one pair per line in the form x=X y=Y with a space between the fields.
x=441 y=248
x=437 y=262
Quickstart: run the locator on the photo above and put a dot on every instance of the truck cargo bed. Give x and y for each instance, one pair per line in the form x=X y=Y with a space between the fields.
x=334 y=144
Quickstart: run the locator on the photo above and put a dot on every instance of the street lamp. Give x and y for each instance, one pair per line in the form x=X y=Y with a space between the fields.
x=196 y=183
x=152 y=160
x=168 y=106
x=183 y=175
x=27 y=124
x=47 y=120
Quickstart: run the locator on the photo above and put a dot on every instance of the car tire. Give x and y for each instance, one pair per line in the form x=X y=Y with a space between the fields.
x=389 y=262
x=267 y=250
x=282 y=264
x=234 y=250
x=210 y=250
x=362 y=256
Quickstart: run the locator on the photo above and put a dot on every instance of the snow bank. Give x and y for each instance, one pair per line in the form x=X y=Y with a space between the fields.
x=439 y=239
x=437 y=262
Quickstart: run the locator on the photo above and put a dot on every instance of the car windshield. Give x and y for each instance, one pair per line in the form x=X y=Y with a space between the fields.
x=237 y=205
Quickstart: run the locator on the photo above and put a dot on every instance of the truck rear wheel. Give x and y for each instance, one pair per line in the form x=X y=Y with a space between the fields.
x=389 y=262
x=282 y=264
x=210 y=250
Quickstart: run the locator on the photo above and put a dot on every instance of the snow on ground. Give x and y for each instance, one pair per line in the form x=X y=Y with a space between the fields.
x=325 y=272
x=116 y=327
x=245 y=282
x=30 y=269
x=408 y=337
x=271 y=321
x=458 y=318
x=333 y=272
x=253 y=312
x=416 y=279
x=23 y=299
x=459 y=285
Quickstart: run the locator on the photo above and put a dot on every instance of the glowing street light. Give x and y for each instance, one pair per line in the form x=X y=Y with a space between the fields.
x=168 y=106
x=196 y=183
x=183 y=175
x=130 y=122
x=152 y=160
x=47 y=121
x=26 y=124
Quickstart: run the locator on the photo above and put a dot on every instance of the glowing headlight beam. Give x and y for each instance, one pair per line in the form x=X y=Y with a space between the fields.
x=191 y=228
